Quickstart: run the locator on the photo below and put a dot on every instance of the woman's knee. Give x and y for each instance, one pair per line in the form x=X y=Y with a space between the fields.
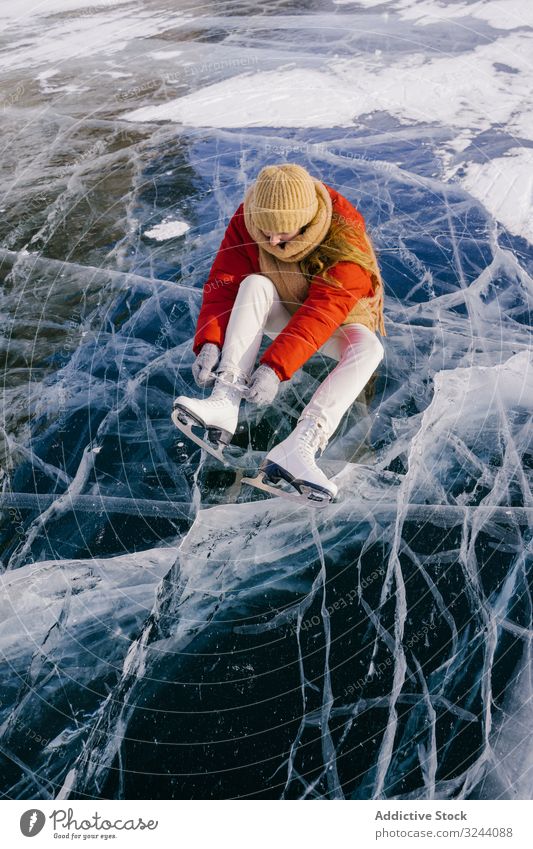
x=377 y=348
x=258 y=283
x=363 y=342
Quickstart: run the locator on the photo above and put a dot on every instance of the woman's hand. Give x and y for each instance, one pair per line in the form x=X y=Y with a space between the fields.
x=263 y=387
x=205 y=363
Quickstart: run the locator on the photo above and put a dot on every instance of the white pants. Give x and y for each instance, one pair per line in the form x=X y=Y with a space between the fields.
x=258 y=309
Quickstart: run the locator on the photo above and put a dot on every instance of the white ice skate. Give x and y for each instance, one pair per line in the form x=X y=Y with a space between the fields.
x=218 y=415
x=293 y=460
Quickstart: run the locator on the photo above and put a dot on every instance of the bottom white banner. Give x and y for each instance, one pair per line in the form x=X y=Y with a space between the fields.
x=262 y=824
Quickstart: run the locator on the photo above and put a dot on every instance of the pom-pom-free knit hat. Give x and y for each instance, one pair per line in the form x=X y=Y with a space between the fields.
x=284 y=199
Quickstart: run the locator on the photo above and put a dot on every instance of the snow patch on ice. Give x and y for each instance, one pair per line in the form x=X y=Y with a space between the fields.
x=109 y=31
x=167 y=230
x=511 y=15
x=25 y=9
x=463 y=91
x=165 y=54
x=505 y=188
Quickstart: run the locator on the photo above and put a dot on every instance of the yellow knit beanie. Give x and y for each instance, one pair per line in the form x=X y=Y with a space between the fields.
x=284 y=199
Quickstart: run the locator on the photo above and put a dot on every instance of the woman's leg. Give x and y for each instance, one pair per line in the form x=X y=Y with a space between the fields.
x=257 y=303
x=359 y=353
x=257 y=300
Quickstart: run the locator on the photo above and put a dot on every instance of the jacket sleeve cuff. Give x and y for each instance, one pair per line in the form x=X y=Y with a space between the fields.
x=199 y=343
x=276 y=367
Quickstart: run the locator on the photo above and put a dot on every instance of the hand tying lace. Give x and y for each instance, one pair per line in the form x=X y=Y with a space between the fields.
x=263 y=386
x=205 y=363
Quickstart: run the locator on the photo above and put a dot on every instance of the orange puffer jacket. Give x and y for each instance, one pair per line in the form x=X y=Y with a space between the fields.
x=322 y=312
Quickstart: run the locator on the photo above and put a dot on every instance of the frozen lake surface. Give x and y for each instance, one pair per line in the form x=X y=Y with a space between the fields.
x=164 y=632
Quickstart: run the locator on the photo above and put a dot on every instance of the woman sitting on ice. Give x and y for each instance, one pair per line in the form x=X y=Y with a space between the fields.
x=296 y=264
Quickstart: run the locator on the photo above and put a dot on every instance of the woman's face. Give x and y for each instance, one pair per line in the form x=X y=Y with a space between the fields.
x=276 y=238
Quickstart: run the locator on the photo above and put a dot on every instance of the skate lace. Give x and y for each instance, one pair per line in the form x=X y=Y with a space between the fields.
x=312 y=439
x=225 y=390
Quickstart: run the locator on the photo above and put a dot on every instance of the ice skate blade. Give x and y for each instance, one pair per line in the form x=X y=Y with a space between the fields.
x=273 y=473
x=259 y=483
x=186 y=428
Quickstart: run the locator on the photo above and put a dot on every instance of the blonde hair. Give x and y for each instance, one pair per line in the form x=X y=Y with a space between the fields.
x=345 y=241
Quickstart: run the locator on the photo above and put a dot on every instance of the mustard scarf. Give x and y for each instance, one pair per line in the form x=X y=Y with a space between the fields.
x=282 y=264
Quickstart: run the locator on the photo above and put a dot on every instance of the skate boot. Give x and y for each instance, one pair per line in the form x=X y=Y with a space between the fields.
x=293 y=460
x=217 y=415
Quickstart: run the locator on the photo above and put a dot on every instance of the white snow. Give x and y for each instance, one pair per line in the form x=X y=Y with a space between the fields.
x=369 y=3
x=489 y=85
x=24 y=10
x=503 y=15
x=107 y=31
x=167 y=230
x=165 y=54
x=463 y=91
x=500 y=14
x=45 y=75
x=505 y=187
